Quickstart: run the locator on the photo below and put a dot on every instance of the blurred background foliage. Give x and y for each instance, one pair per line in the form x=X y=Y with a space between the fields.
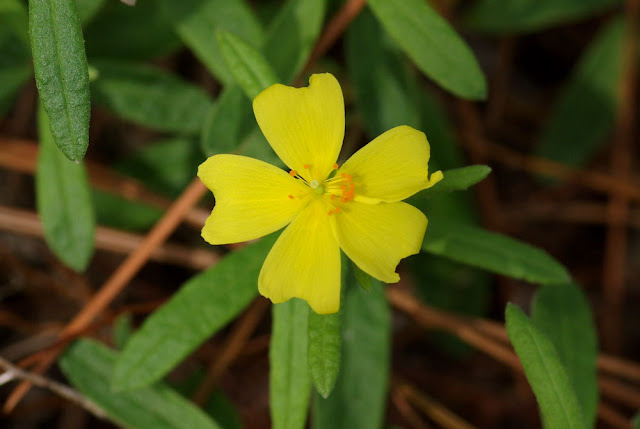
x=542 y=91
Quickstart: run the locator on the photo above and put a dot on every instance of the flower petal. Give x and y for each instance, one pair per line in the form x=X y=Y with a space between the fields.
x=377 y=236
x=392 y=167
x=305 y=126
x=305 y=262
x=253 y=198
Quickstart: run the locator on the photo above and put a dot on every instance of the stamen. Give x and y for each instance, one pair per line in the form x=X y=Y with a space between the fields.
x=330 y=212
x=306 y=166
x=335 y=166
x=290 y=197
x=293 y=173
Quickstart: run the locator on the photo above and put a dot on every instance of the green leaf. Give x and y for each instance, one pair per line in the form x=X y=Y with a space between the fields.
x=324 y=350
x=15 y=61
x=359 y=397
x=636 y=421
x=206 y=303
x=287 y=45
x=87 y=9
x=289 y=380
x=122 y=330
x=62 y=76
x=247 y=65
x=88 y=365
x=196 y=22
x=522 y=16
x=64 y=202
x=562 y=313
x=118 y=212
x=227 y=122
x=124 y=32
x=492 y=252
x=223 y=411
x=150 y=97
x=583 y=115
x=457 y=179
x=433 y=45
x=363 y=279
x=15 y=19
x=150 y=165
x=380 y=77
x=545 y=373
x=291 y=36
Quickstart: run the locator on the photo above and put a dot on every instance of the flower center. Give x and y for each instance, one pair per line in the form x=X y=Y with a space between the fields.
x=337 y=190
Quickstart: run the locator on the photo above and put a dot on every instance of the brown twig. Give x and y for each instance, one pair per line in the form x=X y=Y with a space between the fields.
x=495 y=344
x=119 y=279
x=590 y=179
x=612 y=417
x=113 y=240
x=12 y=372
x=616 y=243
x=232 y=348
x=21 y=155
x=334 y=29
x=432 y=408
x=411 y=417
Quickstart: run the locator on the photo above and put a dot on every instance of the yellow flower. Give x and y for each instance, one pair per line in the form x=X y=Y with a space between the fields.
x=356 y=207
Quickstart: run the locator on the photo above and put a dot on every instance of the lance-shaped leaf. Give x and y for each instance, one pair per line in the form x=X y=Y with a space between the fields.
x=64 y=201
x=521 y=16
x=583 y=114
x=196 y=22
x=89 y=366
x=325 y=342
x=492 y=252
x=247 y=65
x=62 y=74
x=359 y=397
x=562 y=313
x=289 y=379
x=204 y=305
x=457 y=179
x=150 y=96
x=433 y=45
x=545 y=372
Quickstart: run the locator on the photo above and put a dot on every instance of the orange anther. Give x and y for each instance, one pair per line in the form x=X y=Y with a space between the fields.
x=293 y=173
x=335 y=166
x=333 y=197
x=344 y=174
x=290 y=197
x=343 y=199
x=337 y=210
x=349 y=177
x=330 y=212
x=306 y=166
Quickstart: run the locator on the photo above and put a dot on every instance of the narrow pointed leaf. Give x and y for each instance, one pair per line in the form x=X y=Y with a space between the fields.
x=15 y=19
x=492 y=252
x=292 y=35
x=324 y=350
x=433 y=45
x=89 y=366
x=125 y=32
x=150 y=97
x=359 y=397
x=64 y=202
x=206 y=303
x=62 y=74
x=226 y=122
x=583 y=115
x=289 y=379
x=457 y=179
x=545 y=372
x=522 y=16
x=196 y=22
x=287 y=45
x=247 y=65
x=380 y=77
x=562 y=313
